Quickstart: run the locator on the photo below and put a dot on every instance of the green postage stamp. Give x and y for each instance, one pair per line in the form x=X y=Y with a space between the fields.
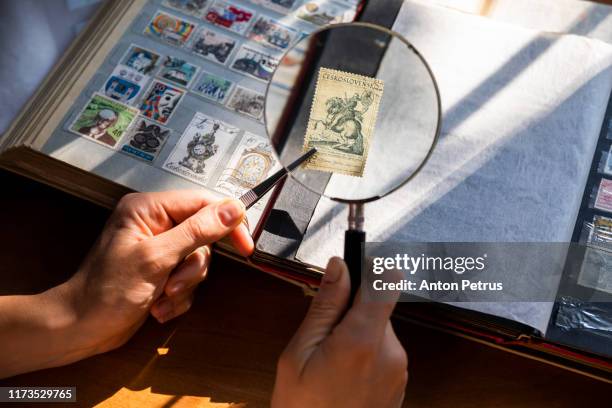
x=342 y=120
x=104 y=120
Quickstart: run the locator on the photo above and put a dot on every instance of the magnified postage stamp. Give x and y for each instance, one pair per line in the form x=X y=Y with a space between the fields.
x=342 y=120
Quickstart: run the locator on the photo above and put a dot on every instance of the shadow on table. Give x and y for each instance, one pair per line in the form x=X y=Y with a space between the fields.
x=225 y=349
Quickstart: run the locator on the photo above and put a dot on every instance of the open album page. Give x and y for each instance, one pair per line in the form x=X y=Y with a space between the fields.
x=520 y=124
x=178 y=103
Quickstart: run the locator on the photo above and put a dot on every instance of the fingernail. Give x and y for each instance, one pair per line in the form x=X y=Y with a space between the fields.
x=205 y=250
x=177 y=287
x=164 y=308
x=333 y=272
x=230 y=211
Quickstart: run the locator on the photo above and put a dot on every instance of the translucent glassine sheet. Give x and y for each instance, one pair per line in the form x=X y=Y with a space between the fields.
x=520 y=124
x=560 y=16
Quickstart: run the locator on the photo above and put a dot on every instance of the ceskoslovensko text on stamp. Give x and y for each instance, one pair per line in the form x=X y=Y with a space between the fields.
x=342 y=120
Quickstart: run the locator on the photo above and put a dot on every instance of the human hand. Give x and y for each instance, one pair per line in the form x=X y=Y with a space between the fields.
x=153 y=252
x=342 y=360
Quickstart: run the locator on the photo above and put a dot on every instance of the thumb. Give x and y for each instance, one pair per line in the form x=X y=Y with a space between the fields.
x=205 y=227
x=326 y=309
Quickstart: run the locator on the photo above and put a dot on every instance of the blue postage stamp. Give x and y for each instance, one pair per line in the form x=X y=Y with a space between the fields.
x=178 y=71
x=213 y=87
x=141 y=60
x=123 y=85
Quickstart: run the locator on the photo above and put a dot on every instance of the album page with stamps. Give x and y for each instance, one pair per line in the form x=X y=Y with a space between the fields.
x=159 y=95
x=170 y=95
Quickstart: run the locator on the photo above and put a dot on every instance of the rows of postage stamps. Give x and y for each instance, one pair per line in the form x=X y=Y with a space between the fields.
x=195 y=156
x=217 y=10
x=214 y=45
x=132 y=111
x=244 y=20
x=597 y=231
x=173 y=77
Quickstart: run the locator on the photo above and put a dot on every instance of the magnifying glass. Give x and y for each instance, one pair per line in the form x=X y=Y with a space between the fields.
x=367 y=101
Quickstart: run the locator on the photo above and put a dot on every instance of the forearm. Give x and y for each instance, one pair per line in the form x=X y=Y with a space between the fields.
x=41 y=331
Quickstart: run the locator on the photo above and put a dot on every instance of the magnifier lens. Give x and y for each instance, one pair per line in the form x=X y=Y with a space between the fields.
x=374 y=117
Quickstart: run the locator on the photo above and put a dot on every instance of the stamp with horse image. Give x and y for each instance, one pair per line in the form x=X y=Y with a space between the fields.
x=342 y=121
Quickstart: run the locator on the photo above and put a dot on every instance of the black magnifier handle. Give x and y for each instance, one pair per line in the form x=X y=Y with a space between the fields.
x=353 y=256
x=354 y=239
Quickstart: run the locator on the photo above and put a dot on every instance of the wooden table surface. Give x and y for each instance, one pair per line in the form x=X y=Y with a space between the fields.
x=223 y=352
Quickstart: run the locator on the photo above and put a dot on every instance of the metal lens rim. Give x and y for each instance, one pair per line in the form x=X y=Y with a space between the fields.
x=438 y=102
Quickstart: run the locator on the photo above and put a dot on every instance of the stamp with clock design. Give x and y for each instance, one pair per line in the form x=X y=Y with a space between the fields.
x=250 y=164
x=200 y=149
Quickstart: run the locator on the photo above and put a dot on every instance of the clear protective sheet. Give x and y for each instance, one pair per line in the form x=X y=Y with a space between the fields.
x=575 y=314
